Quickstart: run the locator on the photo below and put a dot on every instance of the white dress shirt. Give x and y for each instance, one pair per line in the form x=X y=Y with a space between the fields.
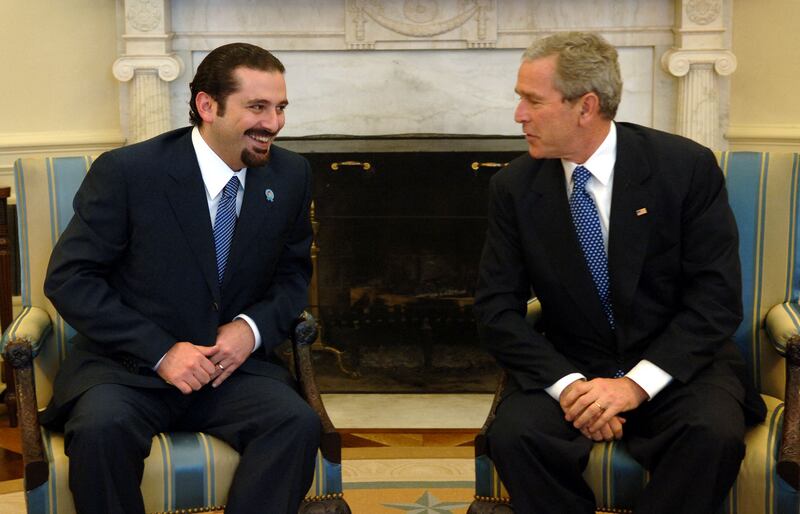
x=600 y=164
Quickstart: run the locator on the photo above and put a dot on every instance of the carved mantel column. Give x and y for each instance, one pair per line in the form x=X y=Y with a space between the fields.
x=698 y=59
x=149 y=66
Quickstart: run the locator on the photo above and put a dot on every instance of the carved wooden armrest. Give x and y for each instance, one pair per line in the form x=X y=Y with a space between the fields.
x=32 y=326
x=303 y=336
x=20 y=345
x=19 y=353
x=789 y=456
x=480 y=439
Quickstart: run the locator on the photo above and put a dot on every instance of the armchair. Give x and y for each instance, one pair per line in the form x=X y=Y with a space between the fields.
x=185 y=472
x=763 y=190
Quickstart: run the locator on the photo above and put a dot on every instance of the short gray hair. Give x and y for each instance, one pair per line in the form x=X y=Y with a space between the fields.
x=586 y=63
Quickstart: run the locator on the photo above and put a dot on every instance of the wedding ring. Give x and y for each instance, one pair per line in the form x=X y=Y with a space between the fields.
x=599 y=406
x=221 y=368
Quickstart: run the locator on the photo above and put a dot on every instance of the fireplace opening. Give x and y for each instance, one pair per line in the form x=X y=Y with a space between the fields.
x=399 y=226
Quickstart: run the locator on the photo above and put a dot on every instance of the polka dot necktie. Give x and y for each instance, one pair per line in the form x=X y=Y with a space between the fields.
x=224 y=224
x=590 y=237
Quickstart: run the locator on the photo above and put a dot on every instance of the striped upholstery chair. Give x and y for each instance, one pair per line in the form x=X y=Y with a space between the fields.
x=764 y=195
x=185 y=472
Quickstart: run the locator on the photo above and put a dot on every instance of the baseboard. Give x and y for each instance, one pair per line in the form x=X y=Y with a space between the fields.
x=11 y=486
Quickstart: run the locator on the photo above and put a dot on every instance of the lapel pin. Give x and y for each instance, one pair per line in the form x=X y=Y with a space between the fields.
x=270 y=195
x=641 y=212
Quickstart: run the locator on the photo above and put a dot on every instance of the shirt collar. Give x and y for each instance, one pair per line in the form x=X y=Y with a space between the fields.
x=601 y=162
x=213 y=169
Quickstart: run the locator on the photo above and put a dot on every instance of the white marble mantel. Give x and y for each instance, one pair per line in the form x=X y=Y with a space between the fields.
x=372 y=67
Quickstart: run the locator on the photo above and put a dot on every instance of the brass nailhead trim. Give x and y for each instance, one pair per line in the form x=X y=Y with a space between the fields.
x=507 y=501
x=331 y=496
x=493 y=499
x=193 y=510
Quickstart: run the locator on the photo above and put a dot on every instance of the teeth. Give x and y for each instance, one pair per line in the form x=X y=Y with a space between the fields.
x=262 y=139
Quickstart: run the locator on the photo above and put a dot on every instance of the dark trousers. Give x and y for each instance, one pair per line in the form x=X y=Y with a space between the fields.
x=690 y=438
x=109 y=431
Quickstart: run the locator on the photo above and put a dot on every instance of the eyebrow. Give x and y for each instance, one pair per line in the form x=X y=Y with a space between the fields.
x=265 y=101
x=532 y=96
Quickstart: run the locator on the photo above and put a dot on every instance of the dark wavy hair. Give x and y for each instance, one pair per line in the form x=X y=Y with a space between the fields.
x=215 y=74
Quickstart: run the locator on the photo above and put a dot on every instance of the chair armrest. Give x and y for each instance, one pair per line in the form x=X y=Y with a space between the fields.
x=783 y=323
x=303 y=336
x=789 y=456
x=481 y=445
x=31 y=326
x=19 y=352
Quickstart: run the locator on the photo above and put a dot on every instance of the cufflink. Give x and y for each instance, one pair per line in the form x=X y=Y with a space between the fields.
x=641 y=212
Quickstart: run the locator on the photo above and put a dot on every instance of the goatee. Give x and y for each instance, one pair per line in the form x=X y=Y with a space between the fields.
x=254 y=159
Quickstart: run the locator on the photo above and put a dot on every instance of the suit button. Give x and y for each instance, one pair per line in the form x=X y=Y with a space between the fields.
x=216 y=307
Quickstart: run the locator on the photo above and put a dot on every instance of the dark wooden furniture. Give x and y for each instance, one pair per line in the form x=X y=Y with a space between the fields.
x=6 y=315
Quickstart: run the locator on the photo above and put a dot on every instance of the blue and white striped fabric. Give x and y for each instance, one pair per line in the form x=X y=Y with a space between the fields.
x=184 y=471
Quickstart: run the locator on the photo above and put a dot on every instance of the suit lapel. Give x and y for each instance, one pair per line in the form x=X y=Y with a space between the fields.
x=630 y=221
x=551 y=219
x=255 y=208
x=187 y=196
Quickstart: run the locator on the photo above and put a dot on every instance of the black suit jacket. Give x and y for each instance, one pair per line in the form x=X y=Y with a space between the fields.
x=673 y=265
x=135 y=270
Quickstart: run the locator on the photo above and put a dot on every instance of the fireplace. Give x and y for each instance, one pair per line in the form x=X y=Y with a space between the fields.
x=399 y=226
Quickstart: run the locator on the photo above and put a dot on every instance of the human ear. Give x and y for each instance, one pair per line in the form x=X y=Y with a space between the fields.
x=206 y=106
x=590 y=105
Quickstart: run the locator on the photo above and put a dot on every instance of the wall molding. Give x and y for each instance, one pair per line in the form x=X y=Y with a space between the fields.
x=25 y=144
x=54 y=142
x=764 y=134
x=517 y=38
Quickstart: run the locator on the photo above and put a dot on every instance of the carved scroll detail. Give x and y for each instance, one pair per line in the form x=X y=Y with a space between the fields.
x=421 y=30
x=703 y=12
x=144 y=15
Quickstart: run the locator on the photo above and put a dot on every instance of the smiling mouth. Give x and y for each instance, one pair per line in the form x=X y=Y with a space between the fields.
x=260 y=136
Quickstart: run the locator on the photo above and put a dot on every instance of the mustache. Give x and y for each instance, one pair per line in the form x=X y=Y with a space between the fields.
x=260 y=132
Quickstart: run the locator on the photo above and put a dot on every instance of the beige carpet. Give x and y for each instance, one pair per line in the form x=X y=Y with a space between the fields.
x=12 y=500
x=416 y=479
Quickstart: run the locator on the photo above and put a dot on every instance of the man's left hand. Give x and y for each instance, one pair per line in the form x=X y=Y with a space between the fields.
x=235 y=342
x=592 y=404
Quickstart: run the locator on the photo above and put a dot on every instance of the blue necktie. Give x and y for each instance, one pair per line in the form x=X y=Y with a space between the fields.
x=224 y=224
x=590 y=237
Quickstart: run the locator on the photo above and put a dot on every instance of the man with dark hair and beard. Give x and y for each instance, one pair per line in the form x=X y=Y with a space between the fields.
x=185 y=264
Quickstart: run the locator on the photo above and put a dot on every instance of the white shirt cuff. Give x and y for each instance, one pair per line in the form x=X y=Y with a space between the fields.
x=556 y=389
x=649 y=377
x=254 y=328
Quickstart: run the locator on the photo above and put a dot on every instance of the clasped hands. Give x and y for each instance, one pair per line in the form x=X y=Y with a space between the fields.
x=593 y=406
x=189 y=367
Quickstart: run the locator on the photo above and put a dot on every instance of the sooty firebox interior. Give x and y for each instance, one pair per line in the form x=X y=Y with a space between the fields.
x=399 y=227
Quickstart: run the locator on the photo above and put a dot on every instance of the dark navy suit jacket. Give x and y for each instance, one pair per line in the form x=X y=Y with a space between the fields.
x=673 y=264
x=135 y=270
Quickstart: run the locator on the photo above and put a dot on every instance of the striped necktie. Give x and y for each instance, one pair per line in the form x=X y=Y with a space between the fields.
x=224 y=225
